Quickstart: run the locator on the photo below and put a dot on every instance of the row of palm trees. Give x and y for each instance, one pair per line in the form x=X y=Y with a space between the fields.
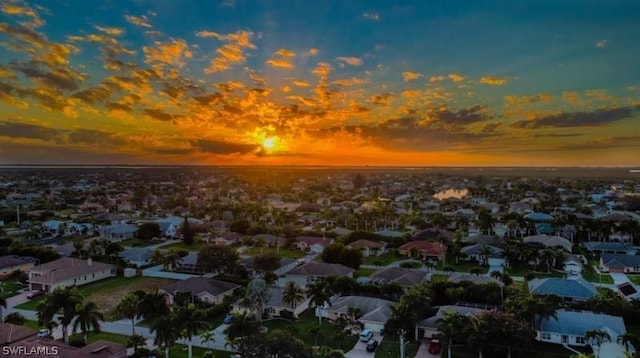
x=70 y=307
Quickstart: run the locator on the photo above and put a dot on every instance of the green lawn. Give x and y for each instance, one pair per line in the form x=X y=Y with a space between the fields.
x=180 y=351
x=461 y=266
x=329 y=335
x=534 y=350
x=390 y=348
x=283 y=251
x=31 y=304
x=363 y=273
x=634 y=278
x=103 y=336
x=592 y=275
x=31 y=324
x=385 y=258
x=436 y=277
x=135 y=242
x=10 y=288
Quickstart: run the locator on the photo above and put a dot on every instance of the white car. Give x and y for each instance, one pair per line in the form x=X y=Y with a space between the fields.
x=44 y=333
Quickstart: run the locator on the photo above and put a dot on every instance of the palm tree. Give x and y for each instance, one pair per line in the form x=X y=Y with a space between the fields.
x=3 y=304
x=152 y=306
x=258 y=294
x=166 y=332
x=451 y=325
x=61 y=299
x=320 y=295
x=171 y=260
x=209 y=337
x=136 y=341
x=477 y=333
x=128 y=308
x=628 y=340
x=292 y=294
x=354 y=313
x=244 y=324
x=15 y=318
x=190 y=320
x=157 y=257
x=88 y=317
x=597 y=337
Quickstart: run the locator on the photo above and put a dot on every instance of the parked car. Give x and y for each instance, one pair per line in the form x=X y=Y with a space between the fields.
x=372 y=345
x=434 y=346
x=366 y=335
x=34 y=294
x=227 y=319
x=44 y=333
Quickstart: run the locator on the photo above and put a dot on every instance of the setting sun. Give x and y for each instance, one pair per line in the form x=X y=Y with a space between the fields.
x=270 y=143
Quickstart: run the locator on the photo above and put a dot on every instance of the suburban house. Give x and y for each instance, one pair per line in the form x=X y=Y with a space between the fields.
x=313 y=244
x=573 y=264
x=375 y=311
x=136 y=256
x=22 y=342
x=602 y=247
x=430 y=325
x=570 y=289
x=368 y=247
x=168 y=229
x=118 y=232
x=275 y=306
x=68 y=271
x=52 y=227
x=481 y=252
x=308 y=273
x=571 y=326
x=548 y=241
x=200 y=289
x=620 y=263
x=12 y=263
x=428 y=250
x=405 y=277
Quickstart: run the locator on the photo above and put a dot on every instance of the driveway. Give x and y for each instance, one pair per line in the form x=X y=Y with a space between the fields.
x=360 y=349
x=423 y=351
x=619 y=278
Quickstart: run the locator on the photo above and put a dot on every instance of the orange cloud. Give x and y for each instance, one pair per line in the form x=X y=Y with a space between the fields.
x=435 y=79
x=456 y=77
x=411 y=76
x=170 y=53
x=232 y=52
x=285 y=53
x=301 y=83
x=113 y=31
x=353 y=61
x=279 y=63
x=141 y=21
x=493 y=81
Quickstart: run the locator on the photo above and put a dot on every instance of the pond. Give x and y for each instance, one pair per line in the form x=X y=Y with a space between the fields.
x=451 y=193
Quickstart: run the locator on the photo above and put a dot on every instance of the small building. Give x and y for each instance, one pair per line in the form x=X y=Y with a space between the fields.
x=620 y=263
x=375 y=311
x=308 y=273
x=430 y=325
x=200 y=289
x=405 y=277
x=68 y=271
x=570 y=327
x=369 y=247
x=118 y=232
x=602 y=247
x=570 y=289
x=428 y=250
x=312 y=244
x=12 y=263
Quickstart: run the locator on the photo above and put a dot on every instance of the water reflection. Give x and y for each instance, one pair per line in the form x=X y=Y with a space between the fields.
x=451 y=193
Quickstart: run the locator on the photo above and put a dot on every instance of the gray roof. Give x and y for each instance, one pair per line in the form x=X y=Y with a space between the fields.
x=563 y=287
x=197 y=285
x=375 y=310
x=478 y=249
x=15 y=260
x=320 y=269
x=576 y=323
x=607 y=246
x=66 y=268
x=137 y=254
x=549 y=241
x=620 y=260
x=462 y=310
x=276 y=297
x=477 y=279
x=404 y=276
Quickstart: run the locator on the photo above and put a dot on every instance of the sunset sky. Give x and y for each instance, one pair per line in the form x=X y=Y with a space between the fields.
x=419 y=83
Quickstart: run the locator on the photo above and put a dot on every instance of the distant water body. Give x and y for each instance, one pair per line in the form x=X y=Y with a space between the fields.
x=451 y=193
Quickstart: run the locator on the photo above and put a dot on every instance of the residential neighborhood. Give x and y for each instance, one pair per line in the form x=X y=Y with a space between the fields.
x=196 y=262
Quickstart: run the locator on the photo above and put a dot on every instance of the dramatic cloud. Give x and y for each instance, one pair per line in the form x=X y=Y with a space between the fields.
x=26 y=130
x=411 y=76
x=97 y=137
x=113 y=31
x=232 y=52
x=280 y=63
x=599 y=117
x=285 y=53
x=222 y=147
x=173 y=53
x=456 y=77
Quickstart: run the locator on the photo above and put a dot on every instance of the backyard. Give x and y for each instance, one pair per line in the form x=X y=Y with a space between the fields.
x=327 y=334
x=384 y=259
x=390 y=348
x=107 y=293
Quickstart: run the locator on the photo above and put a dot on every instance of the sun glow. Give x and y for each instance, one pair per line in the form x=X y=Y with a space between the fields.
x=270 y=143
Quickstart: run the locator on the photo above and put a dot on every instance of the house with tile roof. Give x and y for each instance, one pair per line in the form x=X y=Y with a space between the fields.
x=369 y=247
x=68 y=271
x=570 y=289
x=405 y=277
x=571 y=326
x=308 y=273
x=12 y=263
x=429 y=250
x=375 y=311
x=200 y=289
x=620 y=263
